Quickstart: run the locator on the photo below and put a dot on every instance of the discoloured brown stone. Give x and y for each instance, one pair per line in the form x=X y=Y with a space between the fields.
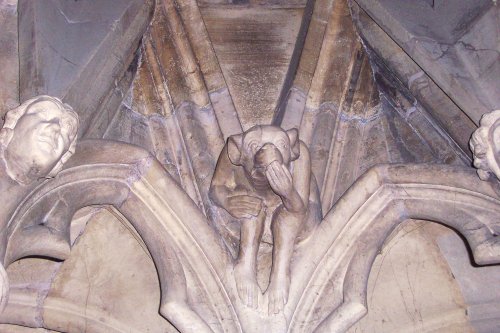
x=254 y=47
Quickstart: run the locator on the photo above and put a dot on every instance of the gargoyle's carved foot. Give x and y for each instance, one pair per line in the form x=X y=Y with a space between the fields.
x=246 y=283
x=278 y=293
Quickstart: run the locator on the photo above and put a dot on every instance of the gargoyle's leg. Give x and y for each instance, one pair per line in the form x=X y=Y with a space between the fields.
x=245 y=270
x=285 y=228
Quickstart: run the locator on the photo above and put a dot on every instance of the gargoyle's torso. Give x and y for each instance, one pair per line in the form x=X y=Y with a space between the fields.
x=258 y=186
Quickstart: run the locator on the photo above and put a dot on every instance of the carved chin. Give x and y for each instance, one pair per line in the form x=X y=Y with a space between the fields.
x=38 y=171
x=34 y=172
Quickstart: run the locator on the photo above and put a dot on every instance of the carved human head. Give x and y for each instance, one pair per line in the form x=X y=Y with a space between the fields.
x=485 y=145
x=262 y=144
x=38 y=137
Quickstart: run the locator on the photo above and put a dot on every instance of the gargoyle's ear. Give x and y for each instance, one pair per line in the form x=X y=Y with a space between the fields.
x=234 y=144
x=293 y=135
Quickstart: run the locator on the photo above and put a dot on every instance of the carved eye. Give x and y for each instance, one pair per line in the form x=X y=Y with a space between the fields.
x=253 y=146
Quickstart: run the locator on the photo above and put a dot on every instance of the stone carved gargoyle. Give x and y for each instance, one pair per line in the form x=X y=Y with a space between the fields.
x=263 y=179
x=37 y=138
x=329 y=270
x=485 y=145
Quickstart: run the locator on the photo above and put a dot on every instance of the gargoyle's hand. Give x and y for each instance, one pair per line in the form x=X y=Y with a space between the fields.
x=244 y=206
x=4 y=288
x=280 y=179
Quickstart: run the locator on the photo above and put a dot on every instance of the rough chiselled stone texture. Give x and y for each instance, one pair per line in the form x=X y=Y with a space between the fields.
x=111 y=281
x=483 y=305
x=78 y=50
x=393 y=61
x=456 y=43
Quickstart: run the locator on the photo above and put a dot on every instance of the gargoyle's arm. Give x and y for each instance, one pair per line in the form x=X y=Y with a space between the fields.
x=223 y=182
x=296 y=199
x=293 y=203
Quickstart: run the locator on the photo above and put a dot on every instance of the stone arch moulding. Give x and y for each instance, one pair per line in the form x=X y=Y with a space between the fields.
x=162 y=214
x=330 y=269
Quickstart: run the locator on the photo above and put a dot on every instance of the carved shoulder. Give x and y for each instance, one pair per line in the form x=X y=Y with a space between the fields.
x=223 y=180
x=223 y=169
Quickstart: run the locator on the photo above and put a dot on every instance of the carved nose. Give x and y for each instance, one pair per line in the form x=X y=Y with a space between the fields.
x=266 y=155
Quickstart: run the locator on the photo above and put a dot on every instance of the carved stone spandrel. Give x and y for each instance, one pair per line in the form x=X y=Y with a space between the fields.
x=175 y=232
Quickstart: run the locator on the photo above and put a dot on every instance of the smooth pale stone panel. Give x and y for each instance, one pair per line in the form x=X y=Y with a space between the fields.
x=411 y=288
x=109 y=272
